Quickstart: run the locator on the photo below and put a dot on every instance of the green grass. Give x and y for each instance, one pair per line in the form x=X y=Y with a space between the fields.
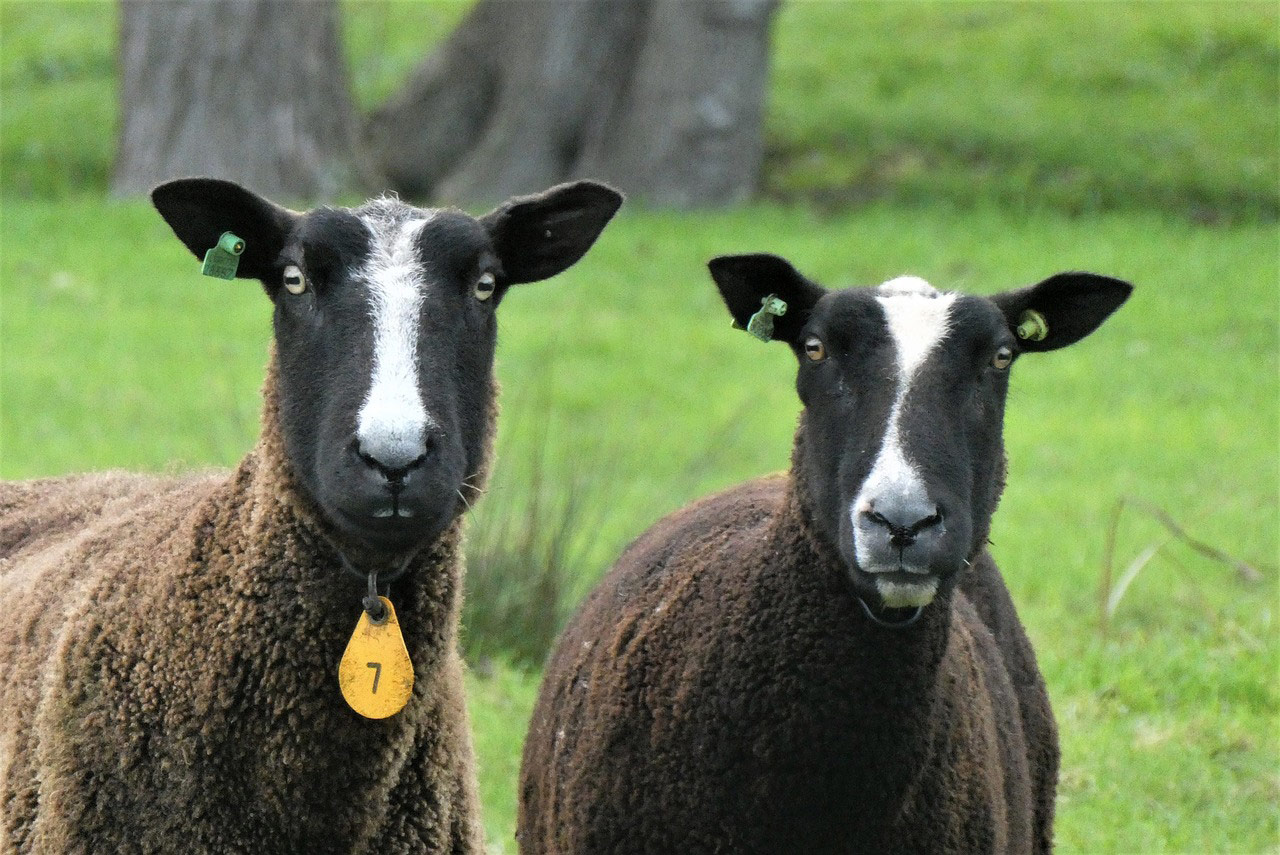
x=986 y=146
x=1077 y=106
x=500 y=702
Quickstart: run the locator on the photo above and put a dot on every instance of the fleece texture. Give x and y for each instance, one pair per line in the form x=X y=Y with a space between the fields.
x=168 y=673
x=722 y=690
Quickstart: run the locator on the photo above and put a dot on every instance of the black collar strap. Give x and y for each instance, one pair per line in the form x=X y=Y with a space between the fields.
x=388 y=577
x=371 y=603
x=888 y=624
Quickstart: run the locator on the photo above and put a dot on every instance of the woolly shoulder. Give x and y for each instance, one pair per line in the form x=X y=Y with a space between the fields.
x=38 y=513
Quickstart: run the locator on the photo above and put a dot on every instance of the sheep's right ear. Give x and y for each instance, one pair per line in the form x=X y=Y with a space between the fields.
x=199 y=210
x=541 y=235
x=745 y=281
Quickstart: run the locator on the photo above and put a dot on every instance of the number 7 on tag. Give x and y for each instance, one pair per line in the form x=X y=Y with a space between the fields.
x=377 y=647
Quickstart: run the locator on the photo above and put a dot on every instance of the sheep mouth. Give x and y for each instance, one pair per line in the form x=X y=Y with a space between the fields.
x=897 y=571
x=394 y=508
x=898 y=587
x=393 y=525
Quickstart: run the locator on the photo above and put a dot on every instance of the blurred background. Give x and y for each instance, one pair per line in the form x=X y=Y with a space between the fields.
x=980 y=145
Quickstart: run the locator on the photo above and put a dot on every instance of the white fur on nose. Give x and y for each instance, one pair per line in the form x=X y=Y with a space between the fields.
x=392 y=422
x=918 y=317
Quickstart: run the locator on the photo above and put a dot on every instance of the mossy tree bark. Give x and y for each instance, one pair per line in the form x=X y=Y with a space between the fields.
x=255 y=91
x=663 y=98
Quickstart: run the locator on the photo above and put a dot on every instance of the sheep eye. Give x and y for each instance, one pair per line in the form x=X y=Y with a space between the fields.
x=1003 y=357
x=294 y=281
x=485 y=286
x=814 y=349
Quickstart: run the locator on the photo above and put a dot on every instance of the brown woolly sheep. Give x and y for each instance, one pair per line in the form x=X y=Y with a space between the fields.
x=169 y=664
x=826 y=662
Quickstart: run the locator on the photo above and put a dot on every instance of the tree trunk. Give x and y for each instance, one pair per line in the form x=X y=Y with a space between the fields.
x=254 y=91
x=663 y=98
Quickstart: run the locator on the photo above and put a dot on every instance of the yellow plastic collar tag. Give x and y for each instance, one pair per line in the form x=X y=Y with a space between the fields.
x=375 y=673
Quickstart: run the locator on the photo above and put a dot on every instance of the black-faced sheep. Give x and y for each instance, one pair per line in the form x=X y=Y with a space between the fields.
x=827 y=661
x=169 y=657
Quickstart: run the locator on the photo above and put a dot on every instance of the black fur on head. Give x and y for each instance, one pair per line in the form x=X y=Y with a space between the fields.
x=385 y=333
x=901 y=450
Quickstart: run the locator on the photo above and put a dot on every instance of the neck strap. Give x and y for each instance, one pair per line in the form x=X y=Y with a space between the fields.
x=891 y=624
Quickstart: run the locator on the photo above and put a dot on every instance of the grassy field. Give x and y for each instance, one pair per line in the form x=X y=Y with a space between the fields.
x=967 y=156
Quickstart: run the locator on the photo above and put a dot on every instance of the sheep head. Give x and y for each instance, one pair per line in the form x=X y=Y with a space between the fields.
x=384 y=320
x=900 y=450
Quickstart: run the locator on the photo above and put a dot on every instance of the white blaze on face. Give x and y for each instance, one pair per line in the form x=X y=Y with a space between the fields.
x=918 y=317
x=392 y=422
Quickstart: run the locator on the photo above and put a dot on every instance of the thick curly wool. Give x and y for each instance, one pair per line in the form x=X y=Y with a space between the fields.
x=723 y=691
x=168 y=674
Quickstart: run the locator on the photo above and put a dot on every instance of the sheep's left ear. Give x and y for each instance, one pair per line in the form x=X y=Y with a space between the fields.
x=538 y=236
x=199 y=210
x=1062 y=309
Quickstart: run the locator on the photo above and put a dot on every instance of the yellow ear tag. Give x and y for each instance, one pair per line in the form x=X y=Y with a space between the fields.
x=375 y=673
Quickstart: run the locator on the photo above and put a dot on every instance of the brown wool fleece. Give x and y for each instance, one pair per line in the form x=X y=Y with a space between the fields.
x=168 y=674
x=721 y=691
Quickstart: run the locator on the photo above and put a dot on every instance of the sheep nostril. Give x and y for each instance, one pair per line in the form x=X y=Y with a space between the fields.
x=902 y=530
x=394 y=466
x=878 y=519
x=928 y=522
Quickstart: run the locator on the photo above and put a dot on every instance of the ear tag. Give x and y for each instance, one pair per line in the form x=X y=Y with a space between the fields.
x=375 y=673
x=761 y=323
x=1032 y=326
x=223 y=259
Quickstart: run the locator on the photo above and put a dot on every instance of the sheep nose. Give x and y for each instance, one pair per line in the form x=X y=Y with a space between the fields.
x=905 y=519
x=395 y=460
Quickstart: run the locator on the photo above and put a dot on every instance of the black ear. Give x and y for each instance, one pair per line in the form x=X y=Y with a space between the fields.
x=538 y=236
x=1069 y=305
x=746 y=280
x=199 y=210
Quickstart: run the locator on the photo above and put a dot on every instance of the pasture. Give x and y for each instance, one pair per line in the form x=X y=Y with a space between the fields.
x=1125 y=140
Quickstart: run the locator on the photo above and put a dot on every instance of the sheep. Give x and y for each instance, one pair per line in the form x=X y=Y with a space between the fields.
x=826 y=661
x=169 y=659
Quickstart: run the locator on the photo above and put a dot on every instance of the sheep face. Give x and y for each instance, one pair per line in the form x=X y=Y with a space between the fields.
x=900 y=450
x=385 y=333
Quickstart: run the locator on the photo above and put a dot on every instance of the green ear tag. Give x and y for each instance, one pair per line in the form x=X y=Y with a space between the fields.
x=761 y=323
x=1032 y=326
x=223 y=259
